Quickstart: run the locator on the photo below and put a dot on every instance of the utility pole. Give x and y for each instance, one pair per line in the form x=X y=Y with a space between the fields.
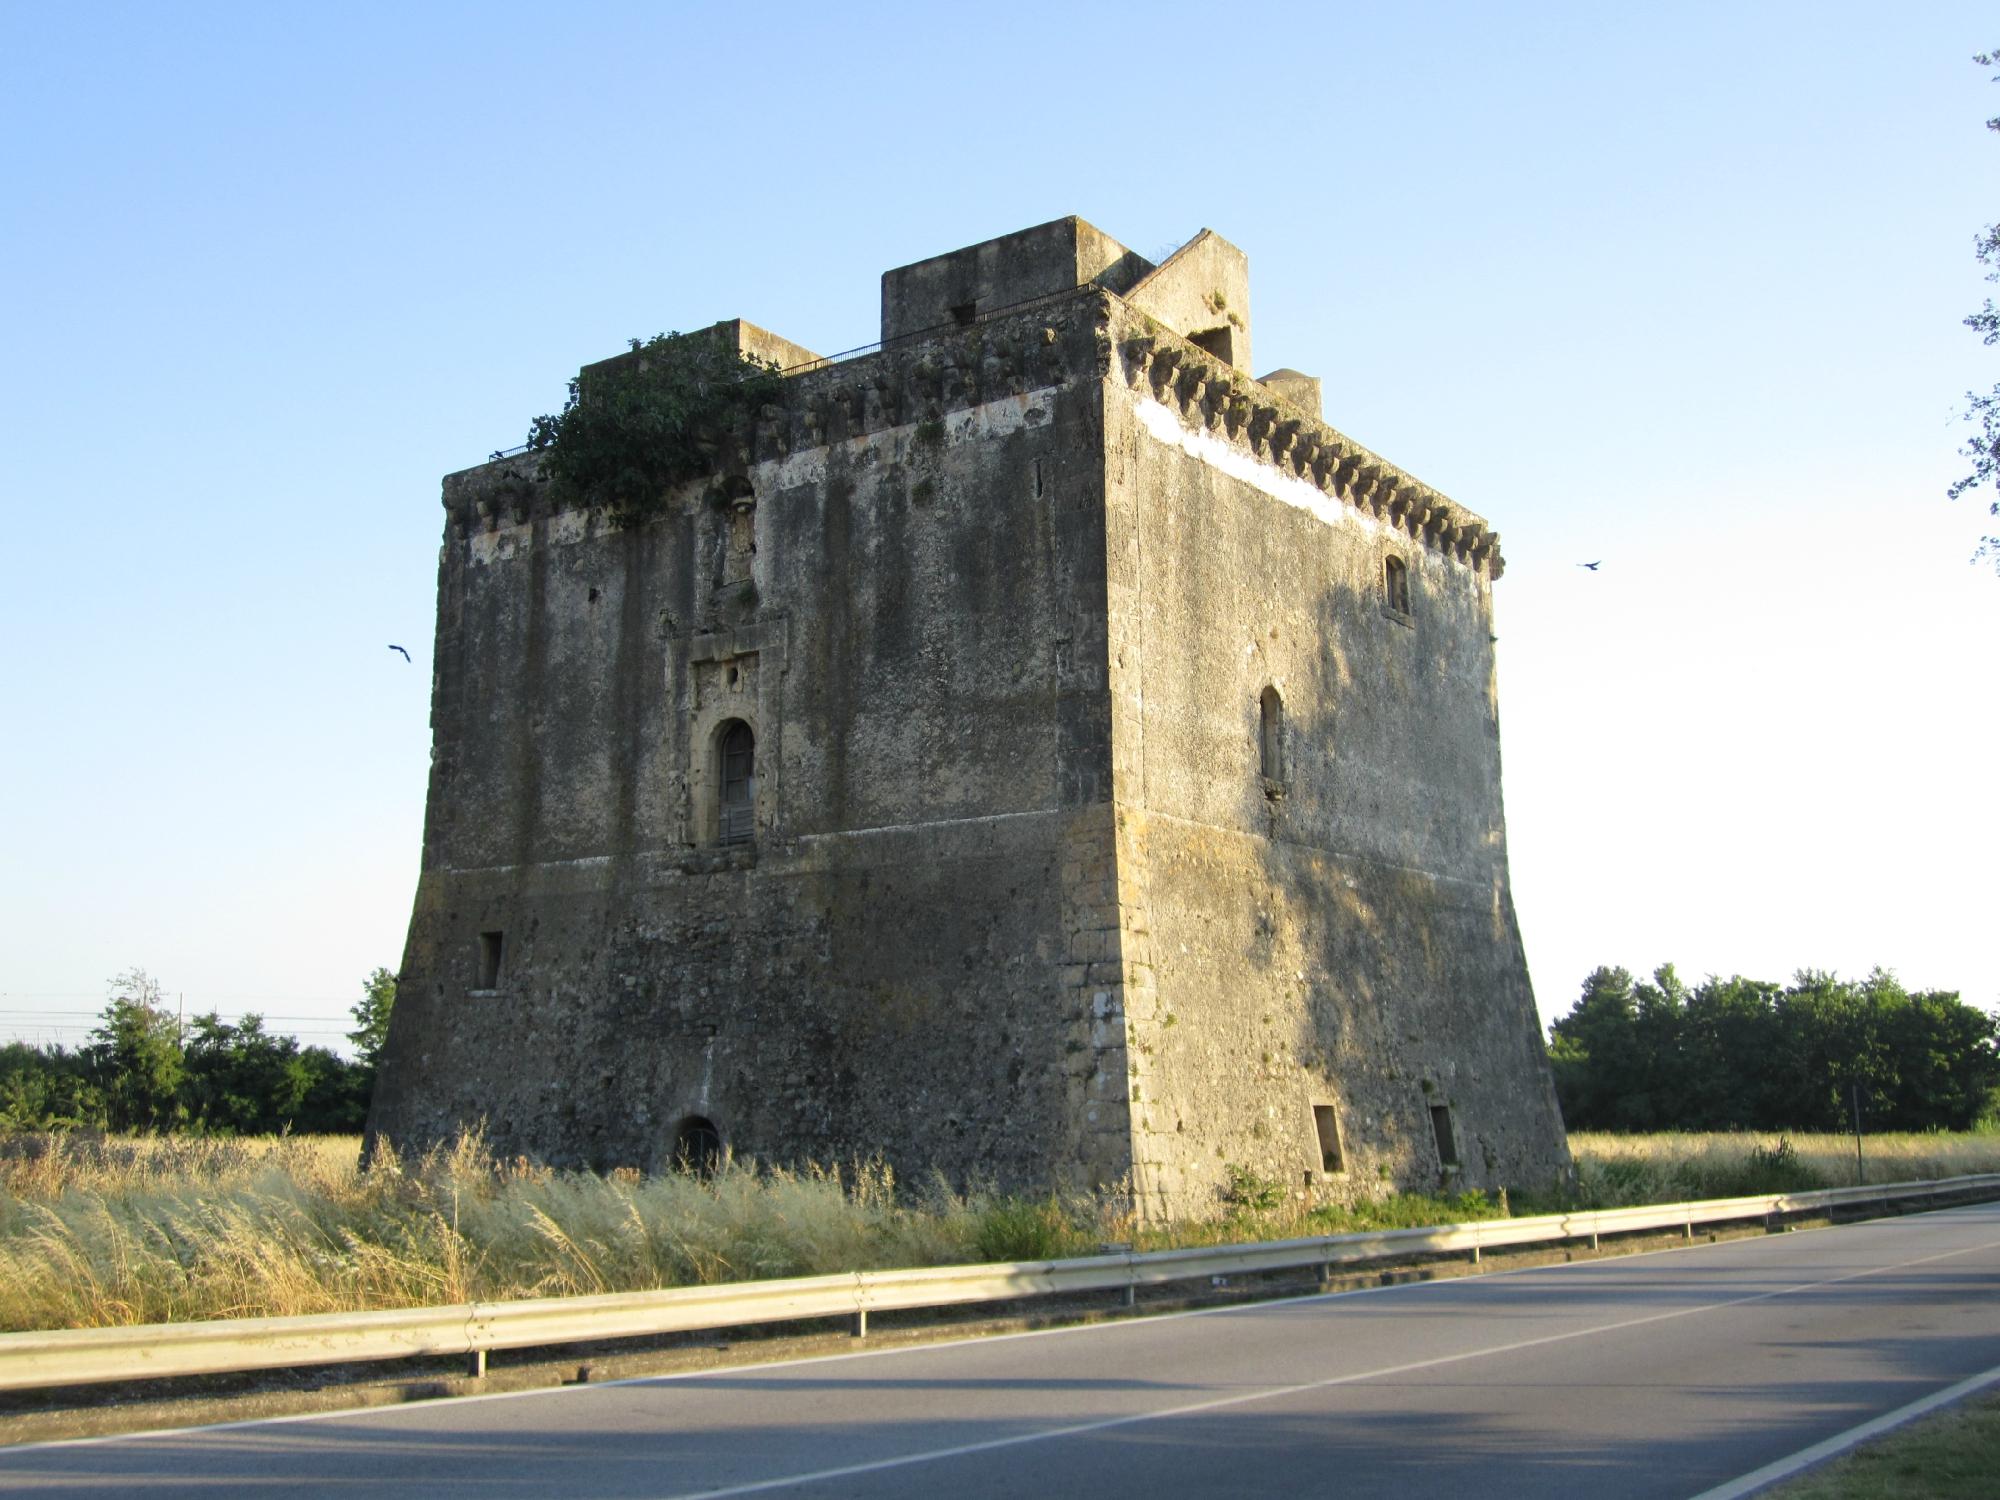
x=1856 y=1087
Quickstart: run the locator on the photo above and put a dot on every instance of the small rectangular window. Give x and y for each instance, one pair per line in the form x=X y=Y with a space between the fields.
x=489 y=961
x=1396 y=585
x=1326 y=1123
x=1441 y=1128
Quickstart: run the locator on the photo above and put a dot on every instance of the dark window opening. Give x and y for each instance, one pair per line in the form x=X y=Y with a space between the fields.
x=1396 y=584
x=736 y=820
x=489 y=961
x=1217 y=341
x=1326 y=1123
x=698 y=1147
x=1271 y=735
x=963 y=313
x=1441 y=1128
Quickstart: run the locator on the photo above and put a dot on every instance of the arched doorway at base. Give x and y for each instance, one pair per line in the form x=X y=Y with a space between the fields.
x=697 y=1147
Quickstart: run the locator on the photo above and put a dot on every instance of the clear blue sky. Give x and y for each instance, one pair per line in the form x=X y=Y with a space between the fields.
x=1677 y=288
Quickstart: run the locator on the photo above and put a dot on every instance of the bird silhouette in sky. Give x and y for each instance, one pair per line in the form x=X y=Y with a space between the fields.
x=406 y=655
x=1592 y=566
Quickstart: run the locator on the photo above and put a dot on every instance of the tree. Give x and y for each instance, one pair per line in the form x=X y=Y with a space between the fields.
x=371 y=1016
x=1983 y=409
x=240 y=1079
x=336 y=1099
x=1741 y=1054
x=1593 y=1051
x=135 y=1056
x=47 y=1088
x=1729 y=1037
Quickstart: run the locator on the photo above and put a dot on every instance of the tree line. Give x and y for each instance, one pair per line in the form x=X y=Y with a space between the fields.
x=142 y=1070
x=1746 y=1054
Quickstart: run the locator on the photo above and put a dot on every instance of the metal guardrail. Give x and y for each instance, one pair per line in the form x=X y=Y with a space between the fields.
x=83 y=1356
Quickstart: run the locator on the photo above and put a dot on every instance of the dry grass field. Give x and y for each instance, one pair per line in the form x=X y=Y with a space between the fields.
x=100 y=1231
x=1614 y=1170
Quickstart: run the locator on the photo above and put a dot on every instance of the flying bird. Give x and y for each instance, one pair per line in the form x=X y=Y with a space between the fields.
x=1592 y=566
x=406 y=655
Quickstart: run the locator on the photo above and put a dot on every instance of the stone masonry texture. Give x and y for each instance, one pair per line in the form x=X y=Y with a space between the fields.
x=1115 y=824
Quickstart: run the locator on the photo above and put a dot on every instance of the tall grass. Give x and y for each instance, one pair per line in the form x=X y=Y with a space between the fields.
x=1616 y=1170
x=97 y=1231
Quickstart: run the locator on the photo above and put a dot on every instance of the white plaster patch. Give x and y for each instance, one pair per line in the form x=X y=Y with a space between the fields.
x=568 y=527
x=498 y=545
x=1165 y=425
x=989 y=420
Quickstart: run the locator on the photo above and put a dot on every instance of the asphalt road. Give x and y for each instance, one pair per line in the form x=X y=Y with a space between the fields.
x=1654 y=1375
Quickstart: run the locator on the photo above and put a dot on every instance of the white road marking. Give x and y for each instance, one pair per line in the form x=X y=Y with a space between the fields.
x=1805 y=1458
x=1275 y=1304
x=1242 y=1398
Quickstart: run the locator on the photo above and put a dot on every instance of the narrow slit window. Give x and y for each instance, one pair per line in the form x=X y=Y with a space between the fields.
x=1441 y=1128
x=737 y=805
x=489 y=960
x=1396 y=584
x=1271 y=735
x=1326 y=1125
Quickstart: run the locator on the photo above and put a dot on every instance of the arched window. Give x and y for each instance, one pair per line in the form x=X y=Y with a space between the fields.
x=1396 y=584
x=698 y=1147
x=1271 y=735
x=736 y=780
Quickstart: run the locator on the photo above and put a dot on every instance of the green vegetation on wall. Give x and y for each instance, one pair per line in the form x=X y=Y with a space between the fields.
x=637 y=426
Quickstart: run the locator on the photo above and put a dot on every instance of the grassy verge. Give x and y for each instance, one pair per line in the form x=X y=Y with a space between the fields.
x=97 y=1232
x=1615 y=1170
x=1950 y=1455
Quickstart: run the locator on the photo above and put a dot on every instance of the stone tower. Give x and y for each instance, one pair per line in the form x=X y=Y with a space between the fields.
x=1056 y=757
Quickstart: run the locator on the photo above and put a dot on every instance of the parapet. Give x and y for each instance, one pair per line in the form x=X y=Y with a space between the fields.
x=1202 y=293
x=735 y=334
x=1185 y=334
x=957 y=288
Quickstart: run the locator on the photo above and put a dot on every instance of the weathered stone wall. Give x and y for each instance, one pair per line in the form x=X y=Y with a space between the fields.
x=1339 y=933
x=901 y=590
x=1202 y=292
x=1035 y=892
x=979 y=280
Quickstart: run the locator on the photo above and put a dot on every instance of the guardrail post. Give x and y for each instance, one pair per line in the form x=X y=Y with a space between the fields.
x=1131 y=1294
x=861 y=1323
x=475 y=1365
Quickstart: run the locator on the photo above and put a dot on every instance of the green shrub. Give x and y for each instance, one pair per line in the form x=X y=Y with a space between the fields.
x=1009 y=1229
x=1246 y=1192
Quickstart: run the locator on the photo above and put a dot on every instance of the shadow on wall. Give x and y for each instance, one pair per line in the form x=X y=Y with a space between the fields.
x=1389 y=914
